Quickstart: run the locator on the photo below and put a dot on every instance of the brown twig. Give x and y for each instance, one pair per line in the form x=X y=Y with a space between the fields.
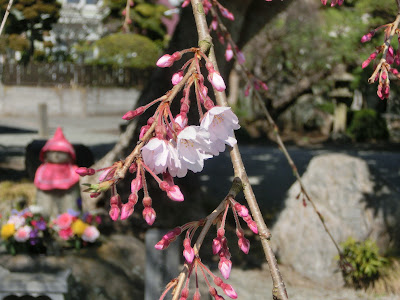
x=209 y=220
x=279 y=290
x=3 y=23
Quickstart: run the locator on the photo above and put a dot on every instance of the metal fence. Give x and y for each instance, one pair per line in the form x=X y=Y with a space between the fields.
x=67 y=74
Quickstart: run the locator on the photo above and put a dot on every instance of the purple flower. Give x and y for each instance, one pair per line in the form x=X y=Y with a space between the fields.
x=33 y=237
x=73 y=213
x=41 y=225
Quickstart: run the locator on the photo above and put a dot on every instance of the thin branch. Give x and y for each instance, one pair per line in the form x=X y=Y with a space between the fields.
x=245 y=72
x=279 y=290
x=3 y=23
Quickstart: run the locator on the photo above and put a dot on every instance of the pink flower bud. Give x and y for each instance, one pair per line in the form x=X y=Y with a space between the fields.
x=143 y=131
x=127 y=210
x=367 y=37
x=397 y=59
x=227 y=14
x=133 y=113
x=176 y=56
x=394 y=71
x=217 y=81
x=214 y=24
x=264 y=86
x=177 y=77
x=174 y=193
x=228 y=53
x=188 y=253
x=229 y=291
x=365 y=63
x=253 y=226
x=161 y=245
x=390 y=55
x=136 y=184
x=133 y=198
x=165 y=61
x=82 y=171
x=244 y=245
x=241 y=210
x=149 y=215
x=124 y=12
x=95 y=195
x=225 y=267
x=216 y=245
x=185 y=3
x=114 y=212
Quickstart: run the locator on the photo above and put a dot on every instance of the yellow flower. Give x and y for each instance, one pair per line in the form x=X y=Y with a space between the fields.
x=7 y=231
x=78 y=227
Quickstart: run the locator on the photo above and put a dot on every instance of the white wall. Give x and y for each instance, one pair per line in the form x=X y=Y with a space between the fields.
x=78 y=101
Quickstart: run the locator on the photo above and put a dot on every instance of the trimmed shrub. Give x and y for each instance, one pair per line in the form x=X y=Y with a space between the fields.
x=365 y=261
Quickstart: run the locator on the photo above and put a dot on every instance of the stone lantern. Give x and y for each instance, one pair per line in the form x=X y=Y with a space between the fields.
x=55 y=179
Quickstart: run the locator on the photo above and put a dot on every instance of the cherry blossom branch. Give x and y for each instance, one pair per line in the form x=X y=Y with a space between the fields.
x=209 y=220
x=120 y=174
x=3 y=22
x=303 y=190
x=247 y=74
x=279 y=290
x=386 y=45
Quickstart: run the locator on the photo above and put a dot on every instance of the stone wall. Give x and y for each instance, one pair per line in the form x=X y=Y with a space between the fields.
x=77 y=101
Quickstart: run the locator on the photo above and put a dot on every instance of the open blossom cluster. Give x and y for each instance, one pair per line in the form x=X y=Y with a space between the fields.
x=219 y=247
x=169 y=147
x=69 y=226
x=193 y=144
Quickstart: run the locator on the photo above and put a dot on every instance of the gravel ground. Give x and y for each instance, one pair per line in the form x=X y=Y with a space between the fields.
x=257 y=285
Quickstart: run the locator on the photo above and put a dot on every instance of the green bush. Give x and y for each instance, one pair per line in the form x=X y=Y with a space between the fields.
x=366 y=263
x=127 y=50
x=366 y=125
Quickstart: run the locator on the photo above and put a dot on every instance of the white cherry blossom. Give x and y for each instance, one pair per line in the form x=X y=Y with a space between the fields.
x=155 y=155
x=193 y=146
x=220 y=122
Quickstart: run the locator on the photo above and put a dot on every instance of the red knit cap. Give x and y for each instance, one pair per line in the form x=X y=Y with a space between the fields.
x=58 y=143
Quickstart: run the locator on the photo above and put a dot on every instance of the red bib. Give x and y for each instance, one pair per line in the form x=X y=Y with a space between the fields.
x=50 y=176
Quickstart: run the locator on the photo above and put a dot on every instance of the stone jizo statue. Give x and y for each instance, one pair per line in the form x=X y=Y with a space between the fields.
x=55 y=179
